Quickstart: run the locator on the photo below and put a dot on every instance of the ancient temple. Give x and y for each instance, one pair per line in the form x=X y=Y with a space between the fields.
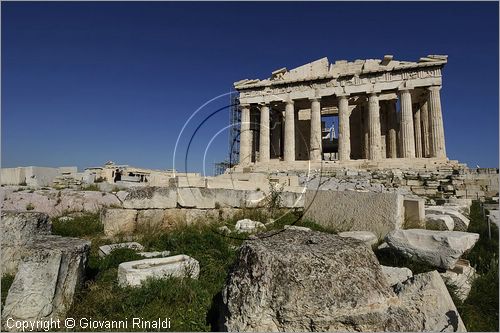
x=385 y=110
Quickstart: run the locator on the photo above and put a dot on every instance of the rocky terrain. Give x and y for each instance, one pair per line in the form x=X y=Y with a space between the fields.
x=274 y=269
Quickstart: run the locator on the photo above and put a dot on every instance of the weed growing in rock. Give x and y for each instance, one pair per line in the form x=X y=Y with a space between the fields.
x=78 y=226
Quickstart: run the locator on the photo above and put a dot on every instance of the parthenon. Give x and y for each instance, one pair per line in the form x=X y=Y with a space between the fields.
x=387 y=110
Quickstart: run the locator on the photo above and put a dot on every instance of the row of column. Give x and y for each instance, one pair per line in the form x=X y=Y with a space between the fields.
x=415 y=141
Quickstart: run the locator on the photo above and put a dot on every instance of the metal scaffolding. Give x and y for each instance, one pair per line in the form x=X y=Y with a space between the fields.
x=234 y=131
x=234 y=136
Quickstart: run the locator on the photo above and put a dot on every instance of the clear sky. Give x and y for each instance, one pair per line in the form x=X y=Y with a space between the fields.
x=88 y=82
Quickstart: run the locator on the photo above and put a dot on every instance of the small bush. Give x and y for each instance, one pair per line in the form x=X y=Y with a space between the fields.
x=80 y=226
x=30 y=206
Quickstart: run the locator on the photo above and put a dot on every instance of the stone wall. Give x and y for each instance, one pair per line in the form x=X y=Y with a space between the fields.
x=441 y=182
x=35 y=176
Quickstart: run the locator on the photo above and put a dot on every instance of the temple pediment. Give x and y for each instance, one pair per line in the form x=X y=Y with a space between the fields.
x=323 y=69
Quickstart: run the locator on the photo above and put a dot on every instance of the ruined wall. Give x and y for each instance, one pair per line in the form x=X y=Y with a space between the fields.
x=12 y=176
x=352 y=210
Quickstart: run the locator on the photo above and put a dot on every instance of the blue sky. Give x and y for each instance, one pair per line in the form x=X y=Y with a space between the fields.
x=88 y=82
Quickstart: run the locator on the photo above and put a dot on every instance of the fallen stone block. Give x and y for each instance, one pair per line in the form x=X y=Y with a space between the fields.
x=461 y=278
x=151 y=198
x=438 y=248
x=118 y=221
x=396 y=275
x=426 y=297
x=247 y=225
x=47 y=279
x=439 y=222
x=134 y=273
x=310 y=281
x=18 y=229
x=461 y=222
x=107 y=249
x=367 y=237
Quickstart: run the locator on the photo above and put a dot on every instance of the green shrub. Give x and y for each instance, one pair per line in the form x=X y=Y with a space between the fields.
x=80 y=226
x=485 y=249
x=30 y=206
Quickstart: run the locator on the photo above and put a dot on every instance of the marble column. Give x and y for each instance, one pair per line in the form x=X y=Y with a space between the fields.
x=344 y=130
x=264 y=149
x=289 y=144
x=245 y=135
x=315 y=144
x=392 y=117
x=437 y=143
x=407 y=132
x=418 y=132
x=374 y=135
x=424 y=115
